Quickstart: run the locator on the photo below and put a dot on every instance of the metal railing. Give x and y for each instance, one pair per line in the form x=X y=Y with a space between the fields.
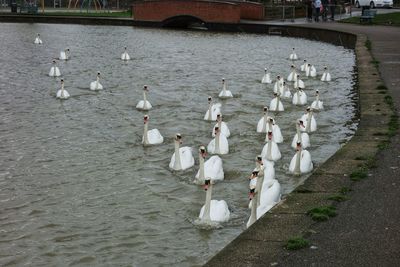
x=280 y=13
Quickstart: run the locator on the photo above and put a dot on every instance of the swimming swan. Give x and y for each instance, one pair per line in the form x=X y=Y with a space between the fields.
x=151 y=137
x=125 y=56
x=270 y=150
x=54 y=70
x=326 y=76
x=96 y=85
x=311 y=71
x=300 y=137
x=304 y=66
x=276 y=103
x=301 y=162
x=182 y=158
x=309 y=121
x=299 y=98
x=38 y=40
x=213 y=110
x=267 y=77
x=299 y=83
x=224 y=93
x=317 y=104
x=293 y=55
x=64 y=55
x=62 y=93
x=212 y=168
x=221 y=125
x=292 y=75
x=213 y=210
x=276 y=131
x=144 y=104
x=219 y=145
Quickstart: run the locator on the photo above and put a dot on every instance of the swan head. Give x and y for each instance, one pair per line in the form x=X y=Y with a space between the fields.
x=146 y=119
x=223 y=80
x=278 y=77
x=265 y=69
x=207 y=183
x=293 y=48
x=271 y=120
x=259 y=160
x=178 y=138
x=300 y=123
x=98 y=73
x=298 y=146
x=304 y=61
x=219 y=117
x=254 y=174
x=309 y=64
x=216 y=130
x=325 y=68
x=308 y=109
x=269 y=135
x=316 y=92
x=209 y=99
x=62 y=81
x=298 y=76
x=292 y=66
x=67 y=50
x=145 y=88
x=203 y=151
x=54 y=62
x=265 y=110
x=276 y=94
x=38 y=35
x=125 y=48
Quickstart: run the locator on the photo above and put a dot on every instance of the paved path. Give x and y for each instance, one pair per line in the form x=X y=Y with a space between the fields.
x=366 y=231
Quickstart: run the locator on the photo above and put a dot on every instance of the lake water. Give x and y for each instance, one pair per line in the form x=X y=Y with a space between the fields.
x=77 y=188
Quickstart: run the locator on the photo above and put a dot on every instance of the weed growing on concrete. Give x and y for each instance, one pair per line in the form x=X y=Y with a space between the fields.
x=383 y=145
x=389 y=100
x=322 y=213
x=338 y=198
x=393 y=125
x=297 y=243
x=358 y=175
x=381 y=87
x=368 y=45
x=344 y=190
x=376 y=63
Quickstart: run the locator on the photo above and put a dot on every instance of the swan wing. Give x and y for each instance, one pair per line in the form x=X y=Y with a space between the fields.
x=306 y=164
x=211 y=146
x=292 y=164
x=277 y=134
x=154 y=136
x=186 y=157
x=219 y=211
x=213 y=168
x=260 y=126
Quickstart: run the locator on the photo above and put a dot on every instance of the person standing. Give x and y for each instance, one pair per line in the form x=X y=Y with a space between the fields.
x=317 y=8
x=309 y=5
x=324 y=9
x=332 y=7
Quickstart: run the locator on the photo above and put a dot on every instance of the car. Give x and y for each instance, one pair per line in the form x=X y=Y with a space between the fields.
x=374 y=3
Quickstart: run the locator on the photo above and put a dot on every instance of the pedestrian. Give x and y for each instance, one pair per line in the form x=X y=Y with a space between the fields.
x=324 y=9
x=332 y=6
x=317 y=8
x=309 y=5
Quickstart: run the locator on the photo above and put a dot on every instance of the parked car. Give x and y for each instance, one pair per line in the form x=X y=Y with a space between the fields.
x=374 y=3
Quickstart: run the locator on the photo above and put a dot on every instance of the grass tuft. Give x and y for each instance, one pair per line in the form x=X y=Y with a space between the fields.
x=344 y=190
x=297 y=243
x=368 y=45
x=322 y=213
x=338 y=198
x=381 y=87
x=358 y=175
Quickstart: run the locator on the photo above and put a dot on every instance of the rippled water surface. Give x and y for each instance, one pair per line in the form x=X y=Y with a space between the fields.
x=76 y=185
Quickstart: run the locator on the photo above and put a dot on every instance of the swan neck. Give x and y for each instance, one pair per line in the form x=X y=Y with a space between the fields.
x=177 y=163
x=210 y=111
x=269 y=126
x=217 y=136
x=201 y=175
x=207 y=205
x=145 y=135
x=308 y=128
x=253 y=215
x=298 y=134
x=277 y=103
x=269 y=150
x=297 y=165
x=264 y=128
x=144 y=99
x=259 y=185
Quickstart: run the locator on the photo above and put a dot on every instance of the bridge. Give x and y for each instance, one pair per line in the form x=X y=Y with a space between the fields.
x=184 y=13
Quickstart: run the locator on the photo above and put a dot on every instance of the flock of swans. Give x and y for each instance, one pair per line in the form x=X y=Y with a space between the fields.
x=264 y=188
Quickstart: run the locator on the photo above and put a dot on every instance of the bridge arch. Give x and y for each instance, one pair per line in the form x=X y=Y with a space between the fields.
x=184 y=21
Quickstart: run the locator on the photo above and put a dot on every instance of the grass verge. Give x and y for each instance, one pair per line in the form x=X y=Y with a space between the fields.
x=297 y=243
x=322 y=213
x=392 y=19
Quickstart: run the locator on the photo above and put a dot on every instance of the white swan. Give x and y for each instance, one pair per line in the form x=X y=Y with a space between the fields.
x=326 y=76
x=125 y=56
x=300 y=137
x=299 y=97
x=144 y=104
x=62 y=93
x=276 y=131
x=225 y=93
x=212 y=168
x=213 y=110
x=221 y=125
x=213 y=210
x=311 y=71
x=309 y=121
x=64 y=55
x=151 y=137
x=219 y=145
x=292 y=77
x=286 y=91
x=262 y=123
x=271 y=150
x=278 y=84
x=304 y=66
x=317 y=104
x=299 y=83
x=38 y=40
x=182 y=158
x=301 y=162
x=267 y=77
x=276 y=104
x=293 y=55
x=96 y=85
x=54 y=70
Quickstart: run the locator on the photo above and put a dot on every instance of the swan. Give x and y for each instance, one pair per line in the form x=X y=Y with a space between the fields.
x=300 y=137
x=293 y=55
x=304 y=66
x=311 y=71
x=151 y=137
x=96 y=85
x=219 y=145
x=309 y=121
x=54 y=70
x=326 y=76
x=213 y=210
x=278 y=84
x=224 y=93
x=292 y=75
x=221 y=125
x=317 y=104
x=182 y=158
x=267 y=77
x=38 y=40
x=64 y=55
x=262 y=123
x=62 y=93
x=276 y=131
x=276 y=104
x=299 y=98
x=286 y=91
x=270 y=150
x=125 y=56
x=212 y=168
x=144 y=104
x=265 y=167
x=301 y=161
x=213 y=110
x=299 y=83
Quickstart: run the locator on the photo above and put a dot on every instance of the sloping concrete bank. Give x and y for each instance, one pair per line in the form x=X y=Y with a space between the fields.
x=263 y=242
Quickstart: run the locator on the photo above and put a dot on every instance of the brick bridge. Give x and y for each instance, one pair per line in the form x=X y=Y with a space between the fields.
x=182 y=13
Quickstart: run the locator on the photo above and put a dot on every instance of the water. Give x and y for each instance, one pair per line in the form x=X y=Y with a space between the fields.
x=76 y=185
